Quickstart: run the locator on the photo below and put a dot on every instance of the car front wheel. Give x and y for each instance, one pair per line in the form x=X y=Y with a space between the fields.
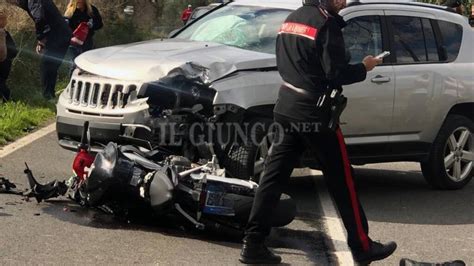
x=451 y=160
x=246 y=160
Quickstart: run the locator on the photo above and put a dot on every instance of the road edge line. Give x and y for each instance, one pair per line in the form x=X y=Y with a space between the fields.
x=26 y=140
x=333 y=224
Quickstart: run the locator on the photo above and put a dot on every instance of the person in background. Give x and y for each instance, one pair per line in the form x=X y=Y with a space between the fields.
x=53 y=35
x=456 y=5
x=7 y=53
x=186 y=14
x=3 y=37
x=471 y=17
x=82 y=11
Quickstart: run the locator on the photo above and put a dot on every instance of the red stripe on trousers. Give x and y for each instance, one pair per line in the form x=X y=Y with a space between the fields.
x=350 y=185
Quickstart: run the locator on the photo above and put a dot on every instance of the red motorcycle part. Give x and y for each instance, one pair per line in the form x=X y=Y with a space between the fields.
x=83 y=159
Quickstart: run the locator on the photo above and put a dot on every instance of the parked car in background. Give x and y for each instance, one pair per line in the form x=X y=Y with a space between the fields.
x=417 y=106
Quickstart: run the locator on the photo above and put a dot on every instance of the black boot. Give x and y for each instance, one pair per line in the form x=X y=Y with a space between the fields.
x=377 y=251
x=257 y=253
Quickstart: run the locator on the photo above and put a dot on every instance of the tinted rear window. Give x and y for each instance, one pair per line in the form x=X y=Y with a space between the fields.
x=409 y=41
x=451 y=37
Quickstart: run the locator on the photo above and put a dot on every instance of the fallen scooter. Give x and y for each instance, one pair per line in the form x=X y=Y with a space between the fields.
x=126 y=176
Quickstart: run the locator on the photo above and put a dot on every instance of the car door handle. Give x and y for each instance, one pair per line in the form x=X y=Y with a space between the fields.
x=380 y=79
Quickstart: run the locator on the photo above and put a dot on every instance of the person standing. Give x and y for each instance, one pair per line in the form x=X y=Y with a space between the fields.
x=7 y=53
x=186 y=14
x=471 y=17
x=311 y=60
x=3 y=37
x=456 y=5
x=82 y=11
x=53 y=35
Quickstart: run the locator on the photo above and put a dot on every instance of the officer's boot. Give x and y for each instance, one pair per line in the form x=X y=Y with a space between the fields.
x=255 y=252
x=377 y=251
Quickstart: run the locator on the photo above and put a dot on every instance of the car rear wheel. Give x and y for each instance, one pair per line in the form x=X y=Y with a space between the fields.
x=451 y=160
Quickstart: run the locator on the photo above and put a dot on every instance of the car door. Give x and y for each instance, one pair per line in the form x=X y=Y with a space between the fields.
x=368 y=116
x=418 y=73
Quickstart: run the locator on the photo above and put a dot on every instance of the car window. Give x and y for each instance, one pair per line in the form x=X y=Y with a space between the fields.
x=451 y=36
x=431 y=45
x=409 y=42
x=247 y=27
x=363 y=36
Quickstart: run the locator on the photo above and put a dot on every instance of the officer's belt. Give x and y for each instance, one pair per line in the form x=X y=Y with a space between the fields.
x=302 y=91
x=319 y=97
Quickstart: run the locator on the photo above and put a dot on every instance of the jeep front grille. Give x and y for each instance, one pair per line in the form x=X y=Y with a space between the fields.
x=101 y=93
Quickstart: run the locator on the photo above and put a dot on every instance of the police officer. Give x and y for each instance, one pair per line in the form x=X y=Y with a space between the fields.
x=311 y=60
x=53 y=35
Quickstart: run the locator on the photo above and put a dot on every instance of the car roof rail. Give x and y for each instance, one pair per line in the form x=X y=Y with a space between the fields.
x=399 y=2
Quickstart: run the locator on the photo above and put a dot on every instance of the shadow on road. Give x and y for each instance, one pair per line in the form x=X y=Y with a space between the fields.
x=405 y=197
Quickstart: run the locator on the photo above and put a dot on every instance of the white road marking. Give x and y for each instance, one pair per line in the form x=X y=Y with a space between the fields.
x=331 y=220
x=26 y=140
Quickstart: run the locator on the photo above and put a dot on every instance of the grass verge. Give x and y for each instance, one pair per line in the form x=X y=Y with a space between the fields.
x=18 y=118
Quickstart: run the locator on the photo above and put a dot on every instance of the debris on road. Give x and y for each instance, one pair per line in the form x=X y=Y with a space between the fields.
x=41 y=192
x=408 y=262
x=7 y=187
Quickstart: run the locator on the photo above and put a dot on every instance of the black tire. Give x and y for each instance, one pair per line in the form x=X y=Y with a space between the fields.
x=243 y=155
x=434 y=170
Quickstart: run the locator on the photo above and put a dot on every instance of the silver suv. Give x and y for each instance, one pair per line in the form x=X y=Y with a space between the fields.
x=417 y=106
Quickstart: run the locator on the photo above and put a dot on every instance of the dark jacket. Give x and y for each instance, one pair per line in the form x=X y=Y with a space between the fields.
x=311 y=51
x=78 y=17
x=11 y=54
x=49 y=22
x=311 y=55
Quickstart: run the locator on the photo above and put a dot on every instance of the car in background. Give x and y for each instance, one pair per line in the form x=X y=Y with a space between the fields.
x=416 y=106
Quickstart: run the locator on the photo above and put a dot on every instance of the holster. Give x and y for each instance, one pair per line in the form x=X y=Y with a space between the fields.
x=335 y=103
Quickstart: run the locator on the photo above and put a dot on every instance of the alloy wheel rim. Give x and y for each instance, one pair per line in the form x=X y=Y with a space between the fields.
x=459 y=154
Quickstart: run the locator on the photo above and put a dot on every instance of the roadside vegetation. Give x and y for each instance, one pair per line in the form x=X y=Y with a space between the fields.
x=28 y=110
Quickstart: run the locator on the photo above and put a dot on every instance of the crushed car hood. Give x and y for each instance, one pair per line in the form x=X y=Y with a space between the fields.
x=152 y=60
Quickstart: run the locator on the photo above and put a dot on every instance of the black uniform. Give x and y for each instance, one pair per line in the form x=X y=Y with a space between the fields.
x=5 y=67
x=311 y=60
x=50 y=25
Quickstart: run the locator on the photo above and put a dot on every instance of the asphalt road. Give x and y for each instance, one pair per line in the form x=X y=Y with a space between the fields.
x=428 y=225
x=45 y=233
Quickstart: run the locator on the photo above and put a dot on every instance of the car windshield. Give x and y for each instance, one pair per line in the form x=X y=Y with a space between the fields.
x=247 y=27
x=199 y=12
